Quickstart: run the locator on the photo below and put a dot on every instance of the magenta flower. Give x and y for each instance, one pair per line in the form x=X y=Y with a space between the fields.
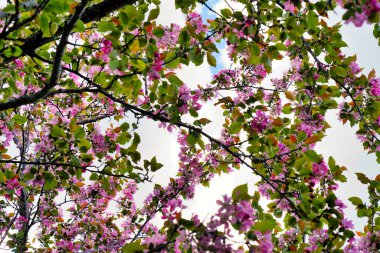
x=354 y=67
x=260 y=122
x=375 y=86
x=347 y=224
x=289 y=6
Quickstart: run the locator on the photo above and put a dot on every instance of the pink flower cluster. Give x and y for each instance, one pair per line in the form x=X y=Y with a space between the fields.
x=188 y=100
x=241 y=214
x=363 y=10
x=170 y=37
x=155 y=69
x=226 y=78
x=310 y=124
x=363 y=244
x=374 y=84
x=195 y=20
x=260 y=122
x=320 y=170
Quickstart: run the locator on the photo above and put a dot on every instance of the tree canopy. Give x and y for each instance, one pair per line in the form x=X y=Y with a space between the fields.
x=77 y=77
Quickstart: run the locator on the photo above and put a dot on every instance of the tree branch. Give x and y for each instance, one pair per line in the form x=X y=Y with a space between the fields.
x=92 y=13
x=56 y=70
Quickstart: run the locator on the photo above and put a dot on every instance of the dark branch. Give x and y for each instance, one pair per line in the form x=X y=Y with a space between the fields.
x=56 y=70
x=102 y=172
x=92 y=13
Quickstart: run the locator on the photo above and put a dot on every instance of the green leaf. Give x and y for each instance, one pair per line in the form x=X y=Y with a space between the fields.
x=362 y=178
x=305 y=204
x=19 y=119
x=196 y=57
x=340 y=71
x=105 y=183
x=304 y=171
x=211 y=59
x=114 y=64
x=133 y=247
x=240 y=193
x=123 y=18
x=79 y=133
x=50 y=183
x=10 y=9
x=158 y=32
x=312 y=19
x=106 y=26
x=356 y=201
x=56 y=131
x=264 y=226
x=184 y=37
x=154 y=165
x=333 y=223
x=172 y=60
x=84 y=145
x=12 y=51
x=153 y=14
x=44 y=24
x=377 y=221
x=131 y=11
x=331 y=163
x=94 y=177
x=227 y=13
x=123 y=138
x=192 y=139
x=2 y=177
x=135 y=142
x=235 y=127
x=57 y=6
x=79 y=26
x=312 y=156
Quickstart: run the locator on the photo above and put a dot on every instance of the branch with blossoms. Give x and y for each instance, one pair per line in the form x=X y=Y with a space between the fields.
x=79 y=93
x=56 y=69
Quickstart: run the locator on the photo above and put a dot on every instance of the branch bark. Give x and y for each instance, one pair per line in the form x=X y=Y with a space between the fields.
x=92 y=13
x=56 y=70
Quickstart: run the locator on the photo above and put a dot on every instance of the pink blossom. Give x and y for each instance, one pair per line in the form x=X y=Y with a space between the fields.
x=347 y=224
x=260 y=70
x=19 y=64
x=296 y=63
x=358 y=19
x=156 y=67
x=155 y=240
x=13 y=184
x=260 y=122
x=320 y=170
x=170 y=37
x=195 y=20
x=354 y=67
x=317 y=238
x=289 y=6
x=106 y=46
x=245 y=215
x=375 y=86
x=265 y=242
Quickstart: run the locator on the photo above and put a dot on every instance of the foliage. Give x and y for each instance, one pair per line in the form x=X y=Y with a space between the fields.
x=77 y=76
